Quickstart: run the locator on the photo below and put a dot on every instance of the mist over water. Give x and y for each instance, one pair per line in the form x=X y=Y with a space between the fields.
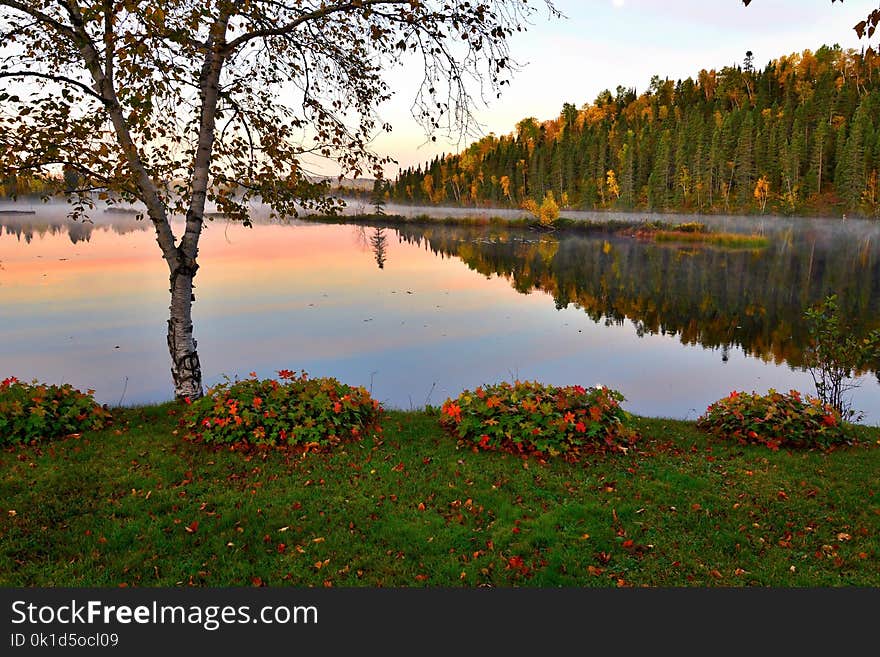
x=418 y=313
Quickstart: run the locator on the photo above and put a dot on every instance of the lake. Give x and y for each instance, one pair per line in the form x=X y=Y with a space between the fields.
x=417 y=314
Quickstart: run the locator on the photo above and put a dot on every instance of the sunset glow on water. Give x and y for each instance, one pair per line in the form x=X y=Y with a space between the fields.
x=88 y=305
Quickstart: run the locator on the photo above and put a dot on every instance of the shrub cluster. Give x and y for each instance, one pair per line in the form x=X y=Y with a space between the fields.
x=531 y=417
x=294 y=411
x=775 y=419
x=690 y=227
x=547 y=213
x=36 y=411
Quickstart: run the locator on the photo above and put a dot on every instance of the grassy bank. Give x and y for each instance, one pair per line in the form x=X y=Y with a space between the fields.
x=655 y=230
x=562 y=224
x=726 y=240
x=136 y=505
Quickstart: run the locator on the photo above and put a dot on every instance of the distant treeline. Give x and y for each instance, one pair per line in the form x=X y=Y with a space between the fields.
x=800 y=136
x=27 y=186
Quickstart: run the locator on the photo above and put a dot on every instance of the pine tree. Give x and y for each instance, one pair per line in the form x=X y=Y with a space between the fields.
x=658 y=183
x=745 y=166
x=804 y=121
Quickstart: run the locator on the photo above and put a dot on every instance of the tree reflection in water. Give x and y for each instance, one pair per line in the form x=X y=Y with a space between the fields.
x=714 y=297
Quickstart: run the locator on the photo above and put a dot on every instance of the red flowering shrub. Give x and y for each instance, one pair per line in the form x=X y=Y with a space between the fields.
x=775 y=420
x=36 y=411
x=531 y=417
x=294 y=411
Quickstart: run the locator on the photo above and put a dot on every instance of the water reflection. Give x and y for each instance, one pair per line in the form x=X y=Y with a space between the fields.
x=420 y=313
x=26 y=226
x=379 y=245
x=714 y=297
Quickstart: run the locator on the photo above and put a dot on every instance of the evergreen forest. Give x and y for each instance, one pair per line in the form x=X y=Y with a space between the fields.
x=800 y=136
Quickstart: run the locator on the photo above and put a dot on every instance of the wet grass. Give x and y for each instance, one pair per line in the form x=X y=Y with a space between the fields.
x=655 y=230
x=562 y=224
x=136 y=505
x=726 y=240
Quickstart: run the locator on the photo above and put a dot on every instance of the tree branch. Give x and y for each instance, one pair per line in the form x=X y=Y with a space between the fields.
x=324 y=12
x=82 y=169
x=40 y=16
x=55 y=78
x=109 y=39
x=133 y=158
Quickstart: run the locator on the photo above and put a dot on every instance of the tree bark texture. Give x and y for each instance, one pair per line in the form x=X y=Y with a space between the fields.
x=185 y=367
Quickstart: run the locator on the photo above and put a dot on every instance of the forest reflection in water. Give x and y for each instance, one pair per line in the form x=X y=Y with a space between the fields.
x=399 y=307
x=715 y=297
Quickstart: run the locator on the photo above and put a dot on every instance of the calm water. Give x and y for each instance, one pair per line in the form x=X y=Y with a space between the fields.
x=417 y=315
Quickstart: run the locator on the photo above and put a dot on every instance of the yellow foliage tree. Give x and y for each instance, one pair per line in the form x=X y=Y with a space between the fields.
x=505 y=186
x=762 y=191
x=547 y=213
x=428 y=186
x=611 y=185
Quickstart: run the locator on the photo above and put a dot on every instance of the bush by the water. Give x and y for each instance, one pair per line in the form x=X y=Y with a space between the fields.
x=296 y=410
x=531 y=417
x=836 y=353
x=37 y=411
x=690 y=227
x=775 y=420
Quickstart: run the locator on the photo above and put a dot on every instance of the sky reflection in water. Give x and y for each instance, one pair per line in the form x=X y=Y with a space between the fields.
x=89 y=307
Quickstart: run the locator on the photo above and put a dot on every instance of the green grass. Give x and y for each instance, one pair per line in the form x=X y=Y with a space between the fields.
x=562 y=224
x=655 y=230
x=418 y=220
x=727 y=240
x=136 y=505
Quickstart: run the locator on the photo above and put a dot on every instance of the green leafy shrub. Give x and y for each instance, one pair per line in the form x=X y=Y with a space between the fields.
x=775 y=420
x=294 y=411
x=37 y=411
x=690 y=227
x=836 y=354
x=531 y=417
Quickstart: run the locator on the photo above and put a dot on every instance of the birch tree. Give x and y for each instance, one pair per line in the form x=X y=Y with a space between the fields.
x=177 y=104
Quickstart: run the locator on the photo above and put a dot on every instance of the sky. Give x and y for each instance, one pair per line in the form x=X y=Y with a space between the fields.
x=605 y=43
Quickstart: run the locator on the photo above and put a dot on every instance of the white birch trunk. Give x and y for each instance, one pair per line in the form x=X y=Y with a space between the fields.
x=181 y=259
x=185 y=367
